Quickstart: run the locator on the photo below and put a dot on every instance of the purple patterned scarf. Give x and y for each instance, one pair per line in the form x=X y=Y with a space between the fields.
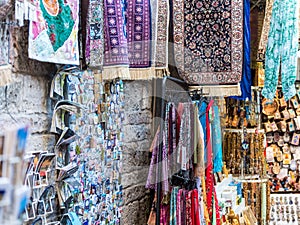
x=127 y=34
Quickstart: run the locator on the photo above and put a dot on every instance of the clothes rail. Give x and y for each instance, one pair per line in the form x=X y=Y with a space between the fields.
x=161 y=85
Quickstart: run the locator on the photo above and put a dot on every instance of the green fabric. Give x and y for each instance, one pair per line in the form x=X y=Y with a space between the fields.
x=59 y=27
x=173 y=206
x=214 y=216
x=282 y=47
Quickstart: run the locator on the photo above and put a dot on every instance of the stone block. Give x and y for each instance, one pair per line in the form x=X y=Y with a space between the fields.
x=37 y=142
x=137 y=177
x=135 y=133
x=130 y=214
x=138 y=117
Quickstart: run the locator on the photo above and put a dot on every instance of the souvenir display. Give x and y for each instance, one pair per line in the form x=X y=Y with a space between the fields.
x=87 y=118
x=284 y=209
x=13 y=142
x=242 y=113
x=256 y=198
x=243 y=152
x=227 y=153
x=282 y=136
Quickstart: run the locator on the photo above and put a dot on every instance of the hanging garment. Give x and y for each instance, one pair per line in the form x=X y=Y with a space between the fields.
x=164 y=214
x=185 y=145
x=282 y=49
x=209 y=164
x=173 y=206
x=211 y=201
x=179 y=207
x=195 y=208
x=173 y=141
x=202 y=200
x=217 y=141
x=199 y=152
x=188 y=212
x=153 y=176
x=202 y=116
x=208 y=41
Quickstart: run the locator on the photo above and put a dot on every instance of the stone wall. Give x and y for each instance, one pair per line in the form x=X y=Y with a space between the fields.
x=138 y=138
x=26 y=101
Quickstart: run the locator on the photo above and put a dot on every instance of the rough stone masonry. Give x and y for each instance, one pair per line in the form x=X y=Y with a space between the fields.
x=26 y=101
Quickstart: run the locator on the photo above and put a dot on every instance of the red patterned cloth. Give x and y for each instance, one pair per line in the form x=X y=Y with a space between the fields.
x=209 y=171
x=188 y=215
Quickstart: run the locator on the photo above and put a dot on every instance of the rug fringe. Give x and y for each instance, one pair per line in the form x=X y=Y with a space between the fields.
x=110 y=73
x=220 y=90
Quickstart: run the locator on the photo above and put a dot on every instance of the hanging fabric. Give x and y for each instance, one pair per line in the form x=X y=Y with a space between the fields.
x=217 y=140
x=173 y=140
x=173 y=206
x=202 y=116
x=153 y=176
x=282 y=49
x=246 y=80
x=188 y=211
x=195 y=208
x=160 y=16
x=180 y=208
x=211 y=200
x=53 y=33
x=116 y=61
x=127 y=40
x=265 y=31
x=95 y=35
x=186 y=144
x=208 y=41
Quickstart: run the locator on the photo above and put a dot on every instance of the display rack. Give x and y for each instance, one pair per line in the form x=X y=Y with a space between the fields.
x=13 y=193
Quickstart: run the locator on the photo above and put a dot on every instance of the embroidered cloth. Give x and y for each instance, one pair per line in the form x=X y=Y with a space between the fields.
x=95 y=34
x=160 y=32
x=127 y=30
x=208 y=40
x=53 y=32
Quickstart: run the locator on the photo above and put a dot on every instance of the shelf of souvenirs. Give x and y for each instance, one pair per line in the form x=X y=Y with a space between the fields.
x=228 y=193
x=249 y=130
x=252 y=179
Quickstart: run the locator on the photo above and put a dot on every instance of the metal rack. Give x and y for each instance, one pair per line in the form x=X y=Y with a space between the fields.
x=161 y=92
